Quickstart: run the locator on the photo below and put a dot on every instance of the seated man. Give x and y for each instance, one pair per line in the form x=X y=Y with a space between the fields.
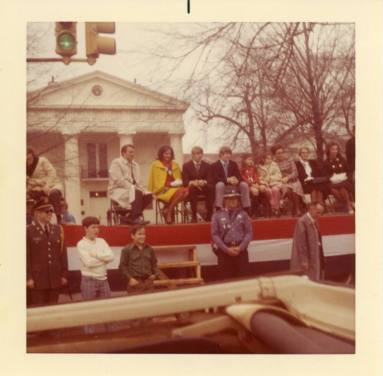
x=196 y=176
x=231 y=233
x=226 y=172
x=42 y=180
x=125 y=186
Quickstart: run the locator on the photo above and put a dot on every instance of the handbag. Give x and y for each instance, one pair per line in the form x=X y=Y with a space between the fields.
x=338 y=178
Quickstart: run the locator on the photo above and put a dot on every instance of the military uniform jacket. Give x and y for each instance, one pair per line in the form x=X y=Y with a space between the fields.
x=46 y=256
x=231 y=228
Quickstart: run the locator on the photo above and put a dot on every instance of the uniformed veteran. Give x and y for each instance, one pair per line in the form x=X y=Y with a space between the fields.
x=47 y=264
x=231 y=233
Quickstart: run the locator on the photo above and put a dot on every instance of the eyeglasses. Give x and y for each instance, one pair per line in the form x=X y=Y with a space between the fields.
x=49 y=211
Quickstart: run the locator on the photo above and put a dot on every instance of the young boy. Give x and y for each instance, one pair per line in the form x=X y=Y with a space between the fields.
x=95 y=254
x=138 y=262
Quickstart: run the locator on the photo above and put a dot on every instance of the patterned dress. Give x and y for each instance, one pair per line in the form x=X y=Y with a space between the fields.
x=289 y=169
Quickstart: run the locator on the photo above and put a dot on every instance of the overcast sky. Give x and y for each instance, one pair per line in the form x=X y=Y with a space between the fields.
x=131 y=62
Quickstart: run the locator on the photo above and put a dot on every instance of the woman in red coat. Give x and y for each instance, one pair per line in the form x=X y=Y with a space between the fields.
x=250 y=176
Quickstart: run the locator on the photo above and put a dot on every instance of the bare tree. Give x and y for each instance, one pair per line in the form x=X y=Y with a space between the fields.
x=315 y=79
x=264 y=83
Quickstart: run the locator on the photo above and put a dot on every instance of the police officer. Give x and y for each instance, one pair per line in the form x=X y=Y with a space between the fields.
x=231 y=233
x=47 y=263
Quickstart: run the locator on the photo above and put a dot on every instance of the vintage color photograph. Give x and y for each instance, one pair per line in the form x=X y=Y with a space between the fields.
x=190 y=188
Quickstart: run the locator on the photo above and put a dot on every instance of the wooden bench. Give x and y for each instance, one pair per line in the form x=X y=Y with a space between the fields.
x=178 y=257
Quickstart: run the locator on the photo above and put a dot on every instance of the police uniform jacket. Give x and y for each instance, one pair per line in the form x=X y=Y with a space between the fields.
x=46 y=256
x=231 y=228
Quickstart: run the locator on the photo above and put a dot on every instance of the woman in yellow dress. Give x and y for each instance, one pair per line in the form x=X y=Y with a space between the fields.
x=165 y=181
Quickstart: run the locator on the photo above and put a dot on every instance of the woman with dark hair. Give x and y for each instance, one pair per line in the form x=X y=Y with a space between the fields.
x=337 y=170
x=165 y=181
x=314 y=181
x=291 y=186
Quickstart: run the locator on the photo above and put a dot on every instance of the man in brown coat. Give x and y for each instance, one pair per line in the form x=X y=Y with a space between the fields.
x=307 y=251
x=47 y=264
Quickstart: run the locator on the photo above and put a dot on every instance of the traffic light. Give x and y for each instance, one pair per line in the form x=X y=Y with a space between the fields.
x=96 y=44
x=66 y=40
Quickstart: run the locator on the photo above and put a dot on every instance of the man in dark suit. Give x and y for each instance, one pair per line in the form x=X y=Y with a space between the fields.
x=47 y=263
x=226 y=172
x=196 y=176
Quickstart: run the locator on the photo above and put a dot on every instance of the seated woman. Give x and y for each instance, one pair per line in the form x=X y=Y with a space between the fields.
x=291 y=186
x=337 y=170
x=314 y=181
x=42 y=180
x=165 y=181
x=250 y=176
x=270 y=181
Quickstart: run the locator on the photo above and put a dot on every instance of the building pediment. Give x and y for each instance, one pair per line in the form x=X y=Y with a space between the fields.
x=99 y=90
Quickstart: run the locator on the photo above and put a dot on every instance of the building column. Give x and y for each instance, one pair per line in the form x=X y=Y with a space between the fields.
x=176 y=144
x=126 y=138
x=72 y=182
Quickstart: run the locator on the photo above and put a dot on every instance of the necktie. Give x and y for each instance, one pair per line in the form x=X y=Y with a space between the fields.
x=226 y=168
x=131 y=169
x=46 y=231
x=197 y=167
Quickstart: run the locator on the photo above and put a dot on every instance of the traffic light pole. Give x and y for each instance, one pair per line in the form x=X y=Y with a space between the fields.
x=53 y=60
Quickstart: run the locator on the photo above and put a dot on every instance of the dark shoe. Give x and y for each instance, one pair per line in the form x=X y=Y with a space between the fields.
x=137 y=221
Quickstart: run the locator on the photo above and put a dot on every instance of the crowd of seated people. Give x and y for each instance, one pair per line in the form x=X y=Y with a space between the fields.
x=264 y=185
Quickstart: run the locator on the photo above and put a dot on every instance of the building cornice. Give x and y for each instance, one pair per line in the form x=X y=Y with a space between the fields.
x=105 y=108
x=171 y=101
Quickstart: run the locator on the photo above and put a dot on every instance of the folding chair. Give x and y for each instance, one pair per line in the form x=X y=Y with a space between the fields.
x=180 y=212
x=116 y=213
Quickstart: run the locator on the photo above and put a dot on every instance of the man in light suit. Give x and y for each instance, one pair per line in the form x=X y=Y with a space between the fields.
x=125 y=187
x=307 y=250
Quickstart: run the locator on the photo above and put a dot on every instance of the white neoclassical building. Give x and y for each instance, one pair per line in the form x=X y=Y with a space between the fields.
x=80 y=125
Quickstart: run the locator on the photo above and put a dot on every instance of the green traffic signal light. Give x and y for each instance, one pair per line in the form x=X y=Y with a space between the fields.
x=66 y=41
